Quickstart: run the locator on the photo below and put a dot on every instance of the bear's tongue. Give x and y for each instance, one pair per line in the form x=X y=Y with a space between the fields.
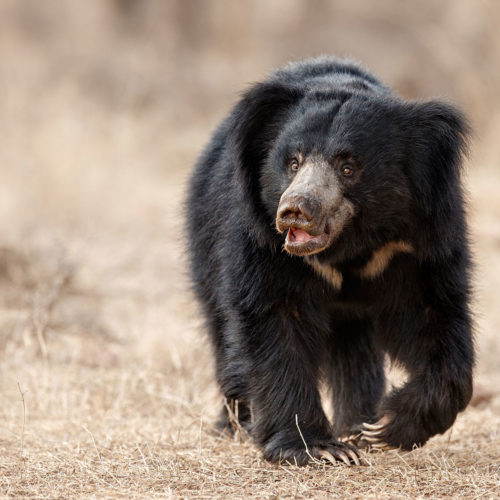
x=299 y=235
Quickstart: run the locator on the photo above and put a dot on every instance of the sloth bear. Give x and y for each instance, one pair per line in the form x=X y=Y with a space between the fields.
x=326 y=231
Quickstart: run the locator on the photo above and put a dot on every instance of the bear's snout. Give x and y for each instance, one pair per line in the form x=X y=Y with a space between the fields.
x=300 y=212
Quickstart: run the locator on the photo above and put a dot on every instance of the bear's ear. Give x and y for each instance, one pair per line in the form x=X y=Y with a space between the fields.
x=437 y=142
x=258 y=118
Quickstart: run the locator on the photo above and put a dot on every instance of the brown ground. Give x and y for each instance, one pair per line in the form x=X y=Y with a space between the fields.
x=106 y=381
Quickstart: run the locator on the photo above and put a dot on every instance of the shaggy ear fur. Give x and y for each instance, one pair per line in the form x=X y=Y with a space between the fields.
x=437 y=144
x=258 y=120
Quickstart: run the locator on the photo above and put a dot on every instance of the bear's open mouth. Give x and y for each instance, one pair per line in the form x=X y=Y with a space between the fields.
x=299 y=235
x=300 y=242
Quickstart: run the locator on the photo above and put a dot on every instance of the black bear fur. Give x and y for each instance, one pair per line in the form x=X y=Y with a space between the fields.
x=280 y=322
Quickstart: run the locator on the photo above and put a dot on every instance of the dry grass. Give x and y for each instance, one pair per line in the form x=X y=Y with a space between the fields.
x=106 y=383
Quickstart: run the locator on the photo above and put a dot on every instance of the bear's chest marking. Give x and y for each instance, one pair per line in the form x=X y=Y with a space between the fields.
x=382 y=257
x=327 y=272
x=376 y=265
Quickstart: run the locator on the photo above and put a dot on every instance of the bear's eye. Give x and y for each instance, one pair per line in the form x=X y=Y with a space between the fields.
x=294 y=164
x=347 y=170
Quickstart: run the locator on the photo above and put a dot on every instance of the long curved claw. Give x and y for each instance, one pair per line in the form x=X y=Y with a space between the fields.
x=373 y=433
x=346 y=456
x=353 y=457
x=377 y=425
x=373 y=427
x=342 y=456
x=326 y=455
x=371 y=439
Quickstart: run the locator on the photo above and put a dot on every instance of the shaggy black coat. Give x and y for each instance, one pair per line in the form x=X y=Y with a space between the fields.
x=392 y=280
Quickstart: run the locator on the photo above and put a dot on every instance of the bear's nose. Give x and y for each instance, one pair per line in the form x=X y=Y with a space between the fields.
x=297 y=209
x=296 y=214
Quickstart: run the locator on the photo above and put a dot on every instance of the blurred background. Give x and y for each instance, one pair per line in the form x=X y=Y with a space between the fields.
x=104 y=107
x=98 y=97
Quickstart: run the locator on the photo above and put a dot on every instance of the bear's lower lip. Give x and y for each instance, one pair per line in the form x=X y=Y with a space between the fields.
x=300 y=242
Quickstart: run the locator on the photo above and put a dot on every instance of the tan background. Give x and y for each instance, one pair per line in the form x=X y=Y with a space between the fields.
x=104 y=107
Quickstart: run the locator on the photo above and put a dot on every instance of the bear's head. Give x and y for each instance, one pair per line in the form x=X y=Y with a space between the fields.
x=340 y=172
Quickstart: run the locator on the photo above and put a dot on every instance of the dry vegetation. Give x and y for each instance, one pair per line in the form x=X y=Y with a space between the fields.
x=106 y=383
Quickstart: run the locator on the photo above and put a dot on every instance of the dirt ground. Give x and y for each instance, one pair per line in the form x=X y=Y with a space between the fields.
x=106 y=379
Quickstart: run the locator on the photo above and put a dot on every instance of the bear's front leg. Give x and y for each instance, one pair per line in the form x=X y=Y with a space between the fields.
x=289 y=421
x=436 y=348
x=422 y=408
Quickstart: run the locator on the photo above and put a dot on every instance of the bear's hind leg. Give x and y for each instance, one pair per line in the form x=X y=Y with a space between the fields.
x=232 y=378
